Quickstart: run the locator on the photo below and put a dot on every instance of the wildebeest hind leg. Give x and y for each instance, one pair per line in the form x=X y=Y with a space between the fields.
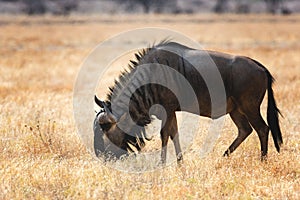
x=244 y=130
x=262 y=130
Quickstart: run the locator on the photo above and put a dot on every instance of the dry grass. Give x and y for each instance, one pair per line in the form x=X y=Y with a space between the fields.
x=43 y=158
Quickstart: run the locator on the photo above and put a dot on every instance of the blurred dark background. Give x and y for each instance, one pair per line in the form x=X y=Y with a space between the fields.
x=66 y=7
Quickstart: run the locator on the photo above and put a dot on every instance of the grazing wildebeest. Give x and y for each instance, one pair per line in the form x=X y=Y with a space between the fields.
x=245 y=82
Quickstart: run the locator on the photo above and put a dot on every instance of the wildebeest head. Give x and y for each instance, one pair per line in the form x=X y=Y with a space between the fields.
x=109 y=139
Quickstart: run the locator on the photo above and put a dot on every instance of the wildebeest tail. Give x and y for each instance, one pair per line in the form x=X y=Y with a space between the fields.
x=272 y=114
x=272 y=111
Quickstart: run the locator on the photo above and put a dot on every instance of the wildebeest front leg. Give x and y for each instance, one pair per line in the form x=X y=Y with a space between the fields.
x=164 y=142
x=170 y=129
x=175 y=139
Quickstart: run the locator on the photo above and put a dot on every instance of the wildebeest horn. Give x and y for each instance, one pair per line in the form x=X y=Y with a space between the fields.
x=106 y=117
x=99 y=102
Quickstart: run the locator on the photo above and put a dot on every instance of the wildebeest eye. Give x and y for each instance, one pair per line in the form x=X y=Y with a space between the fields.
x=105 y=127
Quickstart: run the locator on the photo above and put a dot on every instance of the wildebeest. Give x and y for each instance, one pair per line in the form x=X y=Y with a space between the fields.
x=119 y=126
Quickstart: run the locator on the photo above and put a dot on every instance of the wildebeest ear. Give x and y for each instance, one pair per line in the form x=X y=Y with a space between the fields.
x=99 y=102
x=105 y=118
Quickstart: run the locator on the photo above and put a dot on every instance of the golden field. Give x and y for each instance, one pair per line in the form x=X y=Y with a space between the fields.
x=42 y=156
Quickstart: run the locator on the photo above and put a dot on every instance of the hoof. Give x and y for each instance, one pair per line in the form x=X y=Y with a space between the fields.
x=264 y=158
x=162 y=163
x=226 y=153
x=179 y=162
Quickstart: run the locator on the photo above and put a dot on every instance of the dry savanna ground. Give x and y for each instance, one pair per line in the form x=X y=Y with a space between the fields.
x=42 y=156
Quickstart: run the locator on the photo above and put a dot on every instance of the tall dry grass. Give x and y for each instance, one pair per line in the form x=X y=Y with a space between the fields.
x=42 y=157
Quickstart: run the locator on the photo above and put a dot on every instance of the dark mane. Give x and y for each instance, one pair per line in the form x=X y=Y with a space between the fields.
x=137 y=137
x=124 y=77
